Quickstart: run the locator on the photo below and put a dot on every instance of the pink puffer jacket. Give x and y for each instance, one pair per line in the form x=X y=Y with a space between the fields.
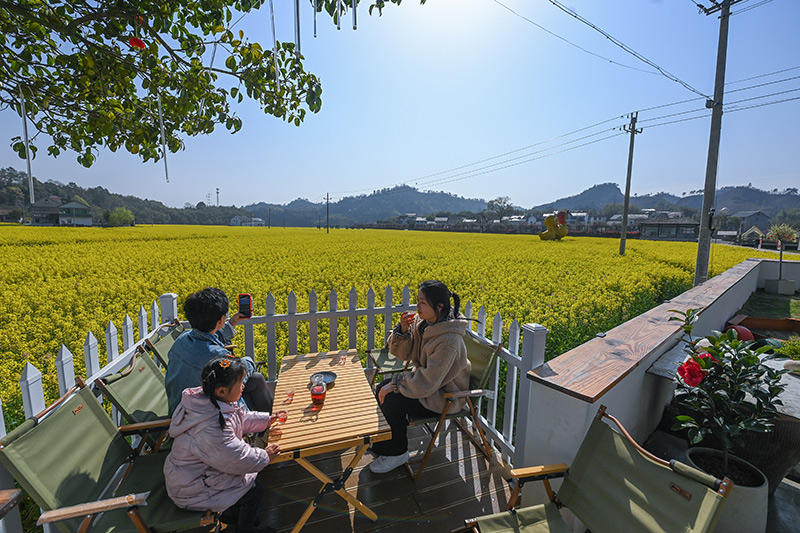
x=208 y=467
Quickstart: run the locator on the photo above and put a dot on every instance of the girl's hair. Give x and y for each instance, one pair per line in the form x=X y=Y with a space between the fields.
x=437 y=294
x=221 y=372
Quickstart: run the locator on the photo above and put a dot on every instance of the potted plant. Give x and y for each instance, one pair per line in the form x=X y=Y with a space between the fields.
x=725 y=392
x=781 y=233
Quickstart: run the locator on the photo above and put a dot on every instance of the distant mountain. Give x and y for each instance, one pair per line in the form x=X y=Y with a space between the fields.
x=593 y=198
x=736 y=199
x=14 y=187
x=379 y=205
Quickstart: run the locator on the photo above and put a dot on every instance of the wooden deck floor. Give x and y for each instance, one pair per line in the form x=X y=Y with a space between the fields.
x=458 y=483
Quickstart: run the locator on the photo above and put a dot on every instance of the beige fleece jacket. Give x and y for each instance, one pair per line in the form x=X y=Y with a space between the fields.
x=440 y=362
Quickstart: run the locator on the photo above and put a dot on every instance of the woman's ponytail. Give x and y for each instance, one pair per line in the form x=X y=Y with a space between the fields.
x=456 y=303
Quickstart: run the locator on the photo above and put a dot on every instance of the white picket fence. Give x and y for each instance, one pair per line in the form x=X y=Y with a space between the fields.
x=518 y=356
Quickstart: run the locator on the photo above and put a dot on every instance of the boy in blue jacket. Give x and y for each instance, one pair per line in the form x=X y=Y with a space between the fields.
x=207 y=313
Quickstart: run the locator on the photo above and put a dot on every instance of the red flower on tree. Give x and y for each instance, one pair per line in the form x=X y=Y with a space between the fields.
x=692 y=373
x=136 y=43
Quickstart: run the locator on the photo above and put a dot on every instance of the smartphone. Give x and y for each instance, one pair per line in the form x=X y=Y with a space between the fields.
x=246 y=304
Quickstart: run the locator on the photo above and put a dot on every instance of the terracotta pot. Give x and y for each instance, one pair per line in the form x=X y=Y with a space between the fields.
x=746 y=508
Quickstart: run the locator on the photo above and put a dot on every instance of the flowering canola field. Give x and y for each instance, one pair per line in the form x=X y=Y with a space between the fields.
x=56 y=284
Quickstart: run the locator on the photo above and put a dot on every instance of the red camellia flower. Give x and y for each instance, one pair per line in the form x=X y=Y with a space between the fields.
x=692 y=373
x=136 y=43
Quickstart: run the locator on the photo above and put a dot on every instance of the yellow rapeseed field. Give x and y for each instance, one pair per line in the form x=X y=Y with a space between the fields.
x=60 y=283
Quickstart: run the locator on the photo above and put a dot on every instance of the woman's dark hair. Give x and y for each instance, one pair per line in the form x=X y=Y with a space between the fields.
x=437 y=294
x=204 y=308
x=221 y=372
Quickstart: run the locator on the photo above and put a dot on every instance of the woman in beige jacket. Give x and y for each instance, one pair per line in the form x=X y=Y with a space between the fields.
x=433 y=340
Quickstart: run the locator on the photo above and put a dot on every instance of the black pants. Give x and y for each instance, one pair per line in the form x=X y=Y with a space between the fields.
x=244 y=513
x=396 y=408
x=256 y=393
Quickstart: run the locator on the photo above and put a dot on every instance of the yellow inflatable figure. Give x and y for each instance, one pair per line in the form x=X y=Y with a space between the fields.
x=556 y=227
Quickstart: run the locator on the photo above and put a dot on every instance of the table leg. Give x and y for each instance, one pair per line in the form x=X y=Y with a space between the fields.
x=336 y=486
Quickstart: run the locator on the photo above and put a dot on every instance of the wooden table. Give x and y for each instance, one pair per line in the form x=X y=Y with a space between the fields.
x=349 y=418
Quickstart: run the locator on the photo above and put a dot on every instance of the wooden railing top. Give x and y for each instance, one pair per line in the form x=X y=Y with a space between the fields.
x=593 y=368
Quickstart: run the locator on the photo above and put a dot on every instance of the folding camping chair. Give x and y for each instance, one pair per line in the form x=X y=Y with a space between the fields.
x=386 y=363
x=77 y=466
x=614 y=485
x=162 y=340
x=139 y=393
x=482 y=355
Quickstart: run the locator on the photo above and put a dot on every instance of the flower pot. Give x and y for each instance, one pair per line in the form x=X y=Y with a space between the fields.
x=746 y=508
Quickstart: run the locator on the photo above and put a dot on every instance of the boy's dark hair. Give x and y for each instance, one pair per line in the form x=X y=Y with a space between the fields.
x=437 y=293
x=204 y=308
x=221 y=372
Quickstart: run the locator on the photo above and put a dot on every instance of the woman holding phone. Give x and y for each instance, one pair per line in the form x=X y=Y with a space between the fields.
x=433 y=340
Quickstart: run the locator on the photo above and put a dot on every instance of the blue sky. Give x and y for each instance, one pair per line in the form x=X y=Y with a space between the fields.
x=426 y=89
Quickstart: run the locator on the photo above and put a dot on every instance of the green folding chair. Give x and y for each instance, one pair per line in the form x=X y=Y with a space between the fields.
x=162 y=340
x=482 y=355
x=385 y=363
x=139 y=394
x=614 y=485
x=78 y=467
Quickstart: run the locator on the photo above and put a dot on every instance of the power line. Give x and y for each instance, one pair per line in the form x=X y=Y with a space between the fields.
x=762 y=75
x=748 y=8
x=570 y=42
x=625 y=47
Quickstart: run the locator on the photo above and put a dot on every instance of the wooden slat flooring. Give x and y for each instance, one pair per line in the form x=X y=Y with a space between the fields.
x=458 y=483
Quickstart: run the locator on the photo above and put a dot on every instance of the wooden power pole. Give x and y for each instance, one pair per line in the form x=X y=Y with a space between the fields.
x=709 y=192
x=631 y=128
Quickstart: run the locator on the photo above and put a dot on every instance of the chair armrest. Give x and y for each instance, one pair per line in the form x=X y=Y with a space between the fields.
x=145 y=427
x=467 y=393
x=83 y=509
x=534 y=473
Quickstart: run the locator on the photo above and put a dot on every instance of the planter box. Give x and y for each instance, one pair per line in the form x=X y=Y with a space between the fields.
x=779 y=286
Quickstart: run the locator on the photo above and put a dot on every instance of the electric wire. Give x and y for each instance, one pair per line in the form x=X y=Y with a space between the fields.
x=749 y=8
x=627 y=48
x=570 y=42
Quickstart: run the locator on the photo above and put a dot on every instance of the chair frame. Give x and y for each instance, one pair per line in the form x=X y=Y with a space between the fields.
x=480 y=441
x=164 y=361
x=544 y=473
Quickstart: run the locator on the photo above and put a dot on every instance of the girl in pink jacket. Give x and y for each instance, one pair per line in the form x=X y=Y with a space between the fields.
x=210 y=466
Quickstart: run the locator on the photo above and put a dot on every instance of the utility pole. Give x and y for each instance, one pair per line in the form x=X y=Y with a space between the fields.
x=709 y=192
x=269 y=217
x=327 y=212
x=631 y=128
x=217 y=196
x=24 y=116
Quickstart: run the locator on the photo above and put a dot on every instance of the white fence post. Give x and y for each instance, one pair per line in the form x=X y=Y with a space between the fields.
x=11 y=523
x=511 y=406
x=533 y=344
x=272 y=358
x=370 y=323
x=387 y=315
x=112 y=342
x=333 y=323
x=155 y=321
x=91 y=355
x=65 y=370
x=494 y=378
x=30 y=383
x=352 y=319
x=127 y=332
x=291 y=309
x=312 y=322
x=142 y=323
x=169 y=306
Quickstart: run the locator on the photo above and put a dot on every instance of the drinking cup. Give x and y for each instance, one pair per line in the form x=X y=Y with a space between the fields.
x=282 y=416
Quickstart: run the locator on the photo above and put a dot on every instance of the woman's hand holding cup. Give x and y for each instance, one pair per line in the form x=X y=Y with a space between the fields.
x=406 y=318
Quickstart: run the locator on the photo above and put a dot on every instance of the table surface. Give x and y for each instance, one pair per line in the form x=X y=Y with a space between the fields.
x=349 y=415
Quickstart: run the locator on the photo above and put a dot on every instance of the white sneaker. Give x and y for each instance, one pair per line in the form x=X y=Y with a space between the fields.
x=387 y=463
